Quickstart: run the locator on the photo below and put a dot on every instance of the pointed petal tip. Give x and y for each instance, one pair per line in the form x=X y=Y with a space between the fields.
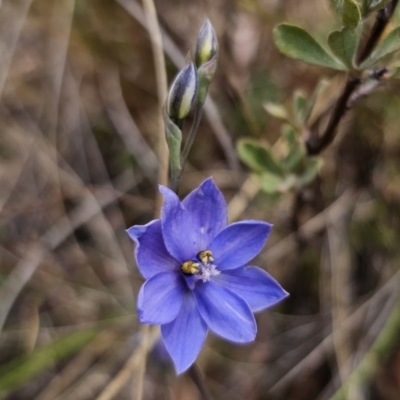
x=180 y=369
x=184 y=337
x=162 y=188
x=209 y=184
x=168 y=194
x=278 y=298
x=182 y=365
x=254 y=285
x=136 y=231
x=285 y=295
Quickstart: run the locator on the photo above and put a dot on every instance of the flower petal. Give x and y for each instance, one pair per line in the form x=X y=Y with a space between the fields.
x=185 y=336
x=255 y=286
x=178 y=234
x=151 y=255
x=160 y=298
x=208 y=212
x=239 y=243
x=226 y=314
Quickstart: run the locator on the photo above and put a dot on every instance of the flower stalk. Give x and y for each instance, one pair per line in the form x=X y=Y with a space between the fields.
x=206 y=57
x=173 y=134
x=189 y=89
x=180 y=101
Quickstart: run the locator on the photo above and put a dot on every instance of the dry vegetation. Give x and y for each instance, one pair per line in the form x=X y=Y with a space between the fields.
x=78 y=165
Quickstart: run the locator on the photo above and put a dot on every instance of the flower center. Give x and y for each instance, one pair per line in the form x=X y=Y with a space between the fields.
x=190 y=267
x=205 y=257
x=203 y=271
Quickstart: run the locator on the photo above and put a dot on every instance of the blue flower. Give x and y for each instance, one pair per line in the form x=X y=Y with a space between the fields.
x=197 y=273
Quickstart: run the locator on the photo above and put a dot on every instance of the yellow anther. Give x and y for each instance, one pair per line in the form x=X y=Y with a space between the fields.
x=206 y=257
x=190 y=267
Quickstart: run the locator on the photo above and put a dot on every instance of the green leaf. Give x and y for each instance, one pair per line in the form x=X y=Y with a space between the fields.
x=310 y=173
x=343 y=45
x=290 y=135
x=276 y=111
x=258 y=157
x=299 y=105
x=297 y=43
x=271 y=183
x=388 y=46
x=296 y=152
x=24 y=368
x=350 y=14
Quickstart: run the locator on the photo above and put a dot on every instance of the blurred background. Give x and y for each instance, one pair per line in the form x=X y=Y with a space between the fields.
x=78 y=165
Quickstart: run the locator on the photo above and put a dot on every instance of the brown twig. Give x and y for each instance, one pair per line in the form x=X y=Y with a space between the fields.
x=367 y=87
x=382 y=19
x=315 y=144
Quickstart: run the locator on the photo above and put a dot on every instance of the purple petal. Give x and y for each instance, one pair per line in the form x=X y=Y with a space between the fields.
x=185 y=336
x=178 y=234
x=151 y=255
x=160 y=298
x=255 y=286
x=208 y=212
x=239 y=243
x=225 y=313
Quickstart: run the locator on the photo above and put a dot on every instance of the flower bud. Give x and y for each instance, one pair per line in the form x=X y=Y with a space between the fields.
x=207 y=44
x=182 y=94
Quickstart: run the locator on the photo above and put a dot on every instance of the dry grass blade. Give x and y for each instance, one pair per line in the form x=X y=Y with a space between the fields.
x=12 y=19
x=50 y=240
x=82 y=84
x=240 y=202
x=340 y=260
x=311 y=227
x=133 y=363
x=118 y=112
x=77 y=366
x=18 y=278
x=316 y=356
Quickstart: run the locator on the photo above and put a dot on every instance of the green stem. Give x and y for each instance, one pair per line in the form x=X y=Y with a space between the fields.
x=192 y=134
x=205 y=73
x=173 y=134
x=175 y=179
x=176 y=168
